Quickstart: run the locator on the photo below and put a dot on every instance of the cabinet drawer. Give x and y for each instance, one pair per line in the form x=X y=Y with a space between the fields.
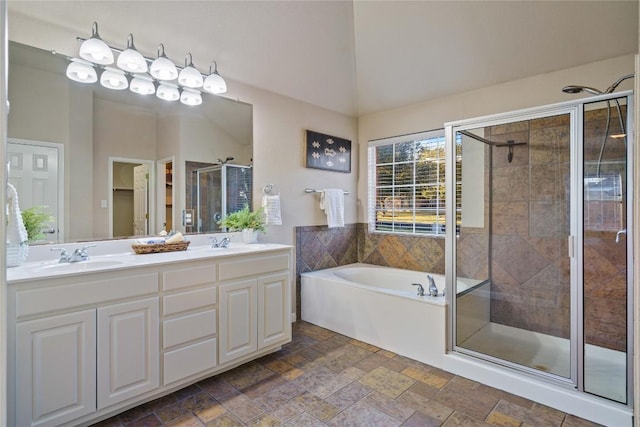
x=185 y=301
x=188 y=328
x=34 y=301
x=188 y=277
x=184 y=362
x=252 y=266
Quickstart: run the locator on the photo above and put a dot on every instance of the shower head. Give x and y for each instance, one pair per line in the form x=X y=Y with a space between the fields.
x=225 y=161
x=610 y=89
x=578 y=89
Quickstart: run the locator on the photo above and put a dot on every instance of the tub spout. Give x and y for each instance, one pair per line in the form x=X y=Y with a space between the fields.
x=433 y=289
x=420 y=289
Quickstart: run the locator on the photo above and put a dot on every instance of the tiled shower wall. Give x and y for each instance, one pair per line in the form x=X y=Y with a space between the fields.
x=530 y=283
x=319 y=247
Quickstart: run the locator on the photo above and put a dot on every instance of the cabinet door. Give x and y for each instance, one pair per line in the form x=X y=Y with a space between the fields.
x=56 y=369
x=238 y=334
x=128 y=350
x=273 y=310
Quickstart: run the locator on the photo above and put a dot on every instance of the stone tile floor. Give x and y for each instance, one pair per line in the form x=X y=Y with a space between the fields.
x=323 y=378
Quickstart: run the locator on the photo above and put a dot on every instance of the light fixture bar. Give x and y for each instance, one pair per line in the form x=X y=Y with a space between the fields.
x=149 y=60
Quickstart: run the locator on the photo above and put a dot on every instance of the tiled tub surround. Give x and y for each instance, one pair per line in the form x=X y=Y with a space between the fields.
x=318 y=247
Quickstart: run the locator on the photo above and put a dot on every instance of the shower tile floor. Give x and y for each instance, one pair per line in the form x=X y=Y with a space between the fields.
x=605 y=369
x=323 y=378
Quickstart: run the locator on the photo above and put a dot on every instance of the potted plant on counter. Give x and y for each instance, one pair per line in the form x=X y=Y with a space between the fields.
x=247 y=221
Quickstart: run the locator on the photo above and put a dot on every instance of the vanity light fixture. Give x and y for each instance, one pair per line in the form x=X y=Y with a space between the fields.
x=214 y=83
x=189 y=76
x=168 y=92
x=142 y=84
x=162 y=68
x=190 y=97
x=95 y=50
x=81 y=71
x=168 y=81
x=112 y=78
x=131 y=60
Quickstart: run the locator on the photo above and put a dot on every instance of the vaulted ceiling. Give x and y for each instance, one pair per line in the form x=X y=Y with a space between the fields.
x=358 y=57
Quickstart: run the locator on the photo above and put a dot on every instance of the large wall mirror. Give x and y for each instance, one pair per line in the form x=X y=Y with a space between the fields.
x=112 y=164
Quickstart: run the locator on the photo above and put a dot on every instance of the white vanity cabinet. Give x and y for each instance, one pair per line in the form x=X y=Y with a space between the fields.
x=254 y=304
x=190 y=321
x=56 y=368
x=84 y=347
x=128 y=352
x=77 y=350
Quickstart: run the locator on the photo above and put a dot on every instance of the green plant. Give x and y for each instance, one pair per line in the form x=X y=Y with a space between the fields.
x=243 y=219
x=35 y=219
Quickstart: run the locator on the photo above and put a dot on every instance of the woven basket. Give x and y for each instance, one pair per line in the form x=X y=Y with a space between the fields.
x=160 y=247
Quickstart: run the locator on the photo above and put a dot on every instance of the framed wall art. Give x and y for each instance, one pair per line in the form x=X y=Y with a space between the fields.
x=328 y=152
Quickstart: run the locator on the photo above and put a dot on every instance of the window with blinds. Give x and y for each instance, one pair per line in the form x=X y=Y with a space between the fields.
x=407 y=184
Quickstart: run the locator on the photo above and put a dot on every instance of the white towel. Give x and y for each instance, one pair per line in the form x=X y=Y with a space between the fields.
x=332 y=202
x=16 y=232
x=271 y=207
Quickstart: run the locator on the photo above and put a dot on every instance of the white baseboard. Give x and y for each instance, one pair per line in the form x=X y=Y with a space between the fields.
x=293 y=317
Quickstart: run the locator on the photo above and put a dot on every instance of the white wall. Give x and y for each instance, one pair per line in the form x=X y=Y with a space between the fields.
x=279 y=125
x=534 y=91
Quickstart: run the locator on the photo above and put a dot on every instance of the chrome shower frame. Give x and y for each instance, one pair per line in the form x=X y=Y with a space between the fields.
x=575 y=109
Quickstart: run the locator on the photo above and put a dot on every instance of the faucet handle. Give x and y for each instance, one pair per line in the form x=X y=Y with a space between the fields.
x=84 y=248
x=64 y=255
x=420 y=289
x=433 y=289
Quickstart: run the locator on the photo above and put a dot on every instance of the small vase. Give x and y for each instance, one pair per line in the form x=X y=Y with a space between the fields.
x=250 y=235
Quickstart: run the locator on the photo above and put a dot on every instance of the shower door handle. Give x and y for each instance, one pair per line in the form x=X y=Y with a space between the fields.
x=571 y=247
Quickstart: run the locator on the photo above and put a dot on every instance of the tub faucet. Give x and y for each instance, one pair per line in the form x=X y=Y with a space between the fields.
x=420 y=289
x=433 y=289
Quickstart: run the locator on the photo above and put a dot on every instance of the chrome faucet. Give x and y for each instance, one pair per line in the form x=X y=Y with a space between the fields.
x=433 y=289
x=623 y=231
x=78 y=255
x=223 y=243
x=420 y=289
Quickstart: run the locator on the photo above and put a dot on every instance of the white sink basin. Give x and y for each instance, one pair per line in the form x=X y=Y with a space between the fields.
x=74 y=267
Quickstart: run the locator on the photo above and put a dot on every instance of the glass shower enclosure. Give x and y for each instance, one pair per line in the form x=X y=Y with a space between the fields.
x=220 y=190
x=540 y=267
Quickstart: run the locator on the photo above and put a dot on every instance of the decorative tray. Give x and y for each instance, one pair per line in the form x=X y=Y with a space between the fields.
x=160 y=247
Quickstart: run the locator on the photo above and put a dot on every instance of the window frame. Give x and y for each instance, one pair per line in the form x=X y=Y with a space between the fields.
x=412 y=227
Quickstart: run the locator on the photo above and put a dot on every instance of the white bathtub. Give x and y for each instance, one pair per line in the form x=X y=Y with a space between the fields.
x=378 y=305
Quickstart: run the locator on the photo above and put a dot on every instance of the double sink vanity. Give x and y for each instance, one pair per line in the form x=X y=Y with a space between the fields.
x=96 y=337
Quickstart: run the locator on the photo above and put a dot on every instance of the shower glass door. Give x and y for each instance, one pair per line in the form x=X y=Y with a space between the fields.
x=513 y=270
x=605 y=277
x=541 y=202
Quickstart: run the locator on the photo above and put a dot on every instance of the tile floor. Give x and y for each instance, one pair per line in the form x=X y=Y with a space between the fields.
x=326 y=379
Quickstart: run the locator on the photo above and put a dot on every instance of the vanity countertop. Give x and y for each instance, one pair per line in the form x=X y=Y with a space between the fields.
x=126 y=260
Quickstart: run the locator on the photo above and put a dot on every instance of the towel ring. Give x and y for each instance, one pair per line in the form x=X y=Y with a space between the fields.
x=270 y=190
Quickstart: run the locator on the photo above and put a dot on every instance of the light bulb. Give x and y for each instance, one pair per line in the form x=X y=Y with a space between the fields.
x=162 y=68
x=113 y=79
x=81 y=71
x=131 y=60
x=189 y=76
x=95 y=50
